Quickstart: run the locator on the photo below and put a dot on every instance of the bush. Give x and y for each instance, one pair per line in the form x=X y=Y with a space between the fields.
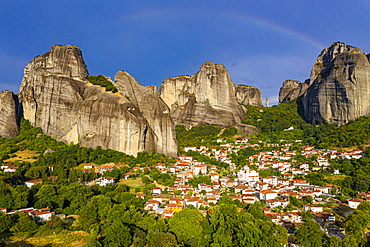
x=103 y=82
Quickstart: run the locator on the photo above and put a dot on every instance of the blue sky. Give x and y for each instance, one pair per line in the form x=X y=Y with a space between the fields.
x=261 y=43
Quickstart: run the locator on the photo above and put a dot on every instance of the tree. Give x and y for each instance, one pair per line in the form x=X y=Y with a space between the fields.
x=188 y=226
x=48 y=196
x=309 y=234
x=24 y=224
x=6 y=221
x=95 y=210
x=117 y=234
x=364 y=206
x=334 y=241
x=162 y=239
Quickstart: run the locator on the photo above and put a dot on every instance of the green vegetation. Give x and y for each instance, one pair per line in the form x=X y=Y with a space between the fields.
x=196 y=136
x=103 y=82
x=273 y=120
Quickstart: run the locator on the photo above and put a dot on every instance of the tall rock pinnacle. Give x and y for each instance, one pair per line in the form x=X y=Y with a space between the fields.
x=56 y=96
x=208 y=97
x=339 y=88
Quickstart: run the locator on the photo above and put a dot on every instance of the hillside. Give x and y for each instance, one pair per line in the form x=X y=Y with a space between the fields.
x=274 y=123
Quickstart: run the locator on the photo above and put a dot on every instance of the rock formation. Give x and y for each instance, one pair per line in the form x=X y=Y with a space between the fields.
x=9 y=124
x=248 y=95
x=247 y=130
x=339 y=88
x=292 y=89
x=55 y=95
x=153 y=108
x=208 y=97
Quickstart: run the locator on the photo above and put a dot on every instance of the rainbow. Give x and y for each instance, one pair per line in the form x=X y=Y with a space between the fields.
x=167 y=13
x=279 y=28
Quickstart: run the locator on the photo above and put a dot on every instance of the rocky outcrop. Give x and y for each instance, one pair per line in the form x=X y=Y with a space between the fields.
x=208 y=97
x=55 y=95
x=248 y=95
x=339 y=88
x=247 y=130
x=153 y=108
x=292 y=89
x=9 y=114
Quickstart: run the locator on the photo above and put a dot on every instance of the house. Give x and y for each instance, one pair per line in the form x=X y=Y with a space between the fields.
x=204 y=187
x=141 y=195
x=300 y=182
x=261 y=185
x=105 y=168
x=273 y=203
x=249 y=198
x=157 y=190
x=197 y=169
x=3 y=210
x=312 y=207
x=168 y=213
x=246 y=175
x=240 y=188
x=174 y=207
x=31 y=183
x=9 y=168
x=353 y=203
x=88 y=166
x=190 y=149
x=267 y=194
x=192 y=201
x=151 y=205
x=103 y=181
x=215 y=177
x=325 y=217
x=43 y=214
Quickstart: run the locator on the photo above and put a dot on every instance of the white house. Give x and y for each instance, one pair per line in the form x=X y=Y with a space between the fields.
x=103 y=181
x=247 y=175
x=157 y=190
x=313 y=208
x=267 y=194
x=197 y=169
x=9 y=168
x=353 y=203
x=273 y=203
x=31 y=183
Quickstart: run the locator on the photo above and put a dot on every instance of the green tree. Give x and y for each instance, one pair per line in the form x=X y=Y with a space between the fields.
x=117 y=234
x=188 y=226
x=309 y=234
x=48 y=196
x=24 y=224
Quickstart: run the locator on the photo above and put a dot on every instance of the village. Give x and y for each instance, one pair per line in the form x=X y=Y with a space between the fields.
x=243 y=184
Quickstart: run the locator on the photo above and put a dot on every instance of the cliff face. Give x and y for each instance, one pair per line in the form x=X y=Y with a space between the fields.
x=9 y=113
x=339 y=88
x=55 y=95
x=248 y=95
x=292 y=89
x=207 y=97
x=153 y=108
